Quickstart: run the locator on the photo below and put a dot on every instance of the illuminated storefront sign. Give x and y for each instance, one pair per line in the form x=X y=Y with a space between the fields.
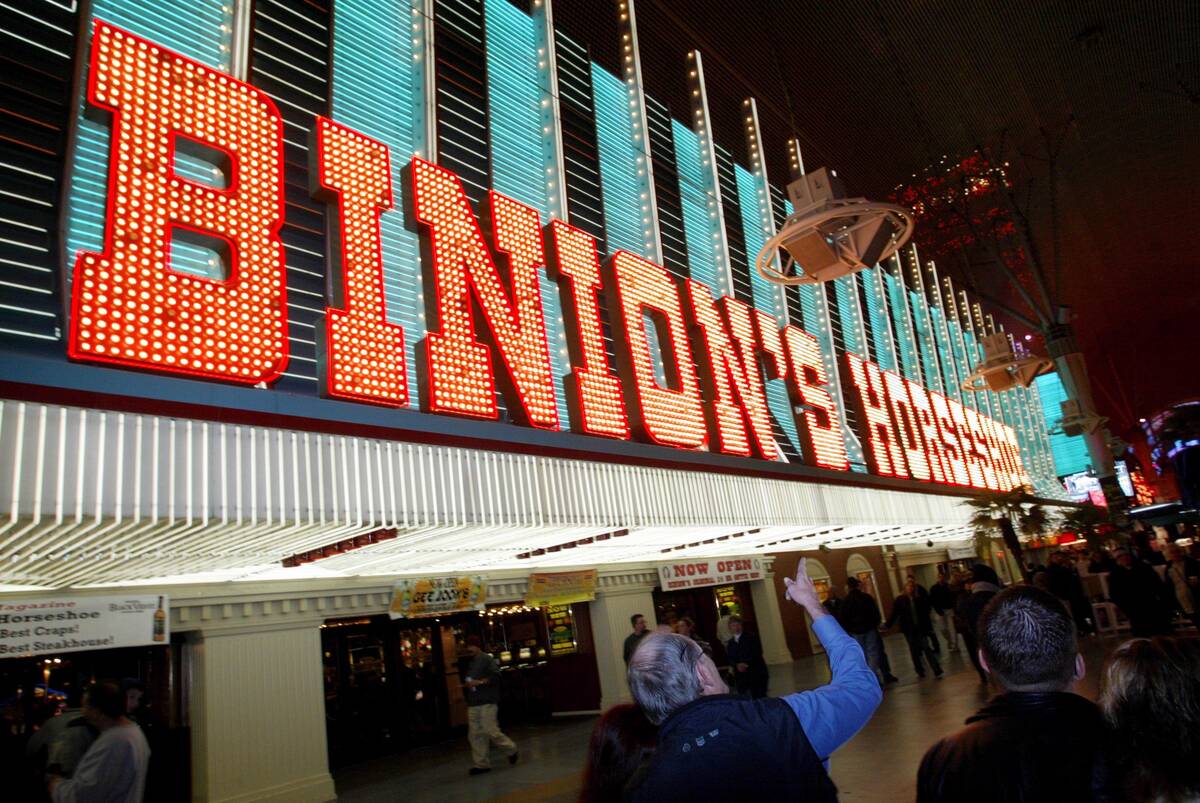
x=694 y=378
x=698 y=573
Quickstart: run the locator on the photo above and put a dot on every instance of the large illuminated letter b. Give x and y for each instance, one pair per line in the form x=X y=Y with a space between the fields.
x=129 y=305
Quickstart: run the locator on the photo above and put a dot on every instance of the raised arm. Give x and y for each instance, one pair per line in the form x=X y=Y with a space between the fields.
x=833 y=713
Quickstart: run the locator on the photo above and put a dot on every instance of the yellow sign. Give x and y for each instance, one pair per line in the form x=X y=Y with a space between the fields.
x=437 y=595
x=560 y=588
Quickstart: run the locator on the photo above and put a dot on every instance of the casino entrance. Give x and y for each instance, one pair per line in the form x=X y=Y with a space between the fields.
x=391 y=685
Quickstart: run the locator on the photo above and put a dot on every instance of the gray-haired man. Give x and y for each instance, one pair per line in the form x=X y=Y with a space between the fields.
x=713 y=746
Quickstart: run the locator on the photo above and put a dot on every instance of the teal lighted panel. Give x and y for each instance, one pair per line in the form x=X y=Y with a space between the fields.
x=378 y=90
x=877 y=314
x=198 y=29
x=910 y=364
x=756 y=225
x=1069 y=452
x=699 y=226
x=924 y=331
x=945 y=353
x=516 y=134
x=622 y=186
x=756 y=228
x=847 y=303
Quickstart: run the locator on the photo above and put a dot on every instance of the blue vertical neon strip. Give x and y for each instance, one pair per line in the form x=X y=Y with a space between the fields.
x=756 y=216
x=1069 y=452
x=909 y=364
x=698 y=224
x=926 y=341
x=846 y=292
x=877 y=314
x=377 y=92
x=951 y=384
x=198 y=29
x=620 y=183
x=516 y=135
x=962 y=362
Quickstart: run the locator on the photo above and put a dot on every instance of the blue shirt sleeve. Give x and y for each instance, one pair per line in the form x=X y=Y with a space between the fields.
x=833 y=713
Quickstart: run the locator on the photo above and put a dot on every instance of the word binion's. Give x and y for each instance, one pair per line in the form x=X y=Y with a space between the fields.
x=130 y=308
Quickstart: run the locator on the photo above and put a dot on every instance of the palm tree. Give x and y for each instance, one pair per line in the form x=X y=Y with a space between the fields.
x=1085 y=520
x=1008 y=512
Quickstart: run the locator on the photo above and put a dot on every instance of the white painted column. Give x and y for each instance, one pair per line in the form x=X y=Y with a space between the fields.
x=258 y=716
x=769 y=621
x=610 y=626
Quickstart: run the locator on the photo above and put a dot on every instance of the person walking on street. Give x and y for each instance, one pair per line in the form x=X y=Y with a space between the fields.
x=1183 y=582
x=712 y=746
x=913 y=618
x=859 y=616
x=942 y=598
x=1036 y=740
x=745 y=654
x=1137 y=590
x=114 y=767
x=635 y=638
x=982 y=585
x=483 y=703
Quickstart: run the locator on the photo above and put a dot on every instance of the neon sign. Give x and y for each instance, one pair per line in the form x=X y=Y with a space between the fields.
x=487 y=332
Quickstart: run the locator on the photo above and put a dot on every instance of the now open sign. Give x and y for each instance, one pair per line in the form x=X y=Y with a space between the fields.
x=711 y=572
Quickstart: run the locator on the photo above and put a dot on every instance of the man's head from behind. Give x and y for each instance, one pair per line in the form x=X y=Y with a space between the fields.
x=668 y=671
x=103 y=703
x=1027 y=641
x=853 y=584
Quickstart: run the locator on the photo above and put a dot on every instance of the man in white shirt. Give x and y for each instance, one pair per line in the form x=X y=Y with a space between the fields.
x=114 y=768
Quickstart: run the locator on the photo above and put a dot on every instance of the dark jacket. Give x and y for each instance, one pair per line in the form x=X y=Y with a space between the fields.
x=942 y=597
x=966 y=613
x=859 y=614
x=483 y=666
x=746 y=649
x=631 y=643
x=1143 y=597
x=912 y=615
x=1021 y=746
x=730 y=748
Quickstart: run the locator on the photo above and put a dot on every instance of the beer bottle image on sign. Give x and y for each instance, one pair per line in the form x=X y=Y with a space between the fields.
x=160 y=622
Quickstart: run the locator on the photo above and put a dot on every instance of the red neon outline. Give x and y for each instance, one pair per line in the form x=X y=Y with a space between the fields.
x=276 y=333
x=905 y=424
x=967 y=439
x=822 y=444
x=923 y=415
x=724 y=345
x=662 y=415
x=595 y=403
x=952 y=447
x=885 y=456
x=380 y=344
x=482 y=358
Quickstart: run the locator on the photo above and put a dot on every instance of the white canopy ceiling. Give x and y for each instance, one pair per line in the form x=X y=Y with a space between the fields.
x=99 y=497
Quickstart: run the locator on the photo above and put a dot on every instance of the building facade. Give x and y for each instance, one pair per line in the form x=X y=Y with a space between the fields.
x=301 y=298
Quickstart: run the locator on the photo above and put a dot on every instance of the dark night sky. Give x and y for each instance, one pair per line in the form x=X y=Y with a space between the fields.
x=878 y=90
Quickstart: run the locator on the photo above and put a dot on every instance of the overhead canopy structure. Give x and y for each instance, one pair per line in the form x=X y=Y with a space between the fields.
x=100 y=497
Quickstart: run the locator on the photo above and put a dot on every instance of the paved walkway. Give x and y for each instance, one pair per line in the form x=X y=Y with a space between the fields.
x=880 y=763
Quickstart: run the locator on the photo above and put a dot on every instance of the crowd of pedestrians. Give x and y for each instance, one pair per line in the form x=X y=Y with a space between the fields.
x=687 y=736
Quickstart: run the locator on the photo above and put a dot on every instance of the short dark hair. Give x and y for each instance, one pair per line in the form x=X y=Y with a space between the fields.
x=633 y=619
x=1028 y=640
x=854 y=582
x=106 y=697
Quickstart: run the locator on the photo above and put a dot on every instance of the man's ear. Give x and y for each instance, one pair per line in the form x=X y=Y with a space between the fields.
x=710 y=678
x=1080 y=667
x=983 y=662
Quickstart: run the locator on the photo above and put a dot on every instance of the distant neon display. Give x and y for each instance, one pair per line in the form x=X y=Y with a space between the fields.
x=690 y=371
